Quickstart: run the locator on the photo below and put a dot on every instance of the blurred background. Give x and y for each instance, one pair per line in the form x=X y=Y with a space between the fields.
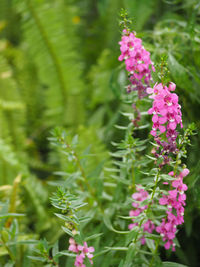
x=59 y=67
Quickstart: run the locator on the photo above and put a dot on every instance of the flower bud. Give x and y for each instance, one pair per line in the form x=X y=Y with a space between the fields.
x=172 y=86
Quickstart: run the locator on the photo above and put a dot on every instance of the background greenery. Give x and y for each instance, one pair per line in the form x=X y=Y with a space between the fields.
x=59 y=67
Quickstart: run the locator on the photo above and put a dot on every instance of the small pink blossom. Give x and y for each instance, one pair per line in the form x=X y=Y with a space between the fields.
x=82 y=252
x=73 y=246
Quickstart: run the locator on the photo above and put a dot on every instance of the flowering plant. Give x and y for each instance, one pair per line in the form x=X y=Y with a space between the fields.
x=123 y=208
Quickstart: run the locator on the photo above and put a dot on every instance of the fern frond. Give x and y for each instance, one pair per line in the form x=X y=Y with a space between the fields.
x=51 y=41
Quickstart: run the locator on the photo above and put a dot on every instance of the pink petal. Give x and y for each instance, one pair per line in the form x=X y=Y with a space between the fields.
x=162 y=120
x=149 y=90
x=172 y=86
x=167 y=245
x=176 y=183
x=155 y=118
x=91 y=249
x=162 y=129
x=184 y=187
x=172 y=125
x=80 y=248
x=153 y=133
x=173 y=193
x=185 y=172
x=163 y=201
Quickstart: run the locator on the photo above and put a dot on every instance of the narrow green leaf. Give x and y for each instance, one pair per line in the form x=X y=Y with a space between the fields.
x=93 y=236
x=66 y=230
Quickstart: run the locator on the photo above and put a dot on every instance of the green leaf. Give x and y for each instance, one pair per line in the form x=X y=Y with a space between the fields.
x=67 y=218
x=117 y=248
x=93 y=236
x=107 y=222
x=84 y=219
x=180 y=74
x=140 y=11
x=121 y=264
x=36 y=258
x=150 y=244
x=55 y=249
x=11 y=215
x=66 y=230
x=172 y=264
x=66 y=253
x=130 y=255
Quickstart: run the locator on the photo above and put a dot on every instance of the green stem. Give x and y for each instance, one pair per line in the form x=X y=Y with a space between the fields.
x=133 y=178
x=82 y=173
x=8 y=249
x=149 y=205
x=154 y=253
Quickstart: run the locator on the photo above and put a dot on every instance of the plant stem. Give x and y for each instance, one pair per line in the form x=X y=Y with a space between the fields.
x=133 y=178
x=13 y=197
x=8 y=249
x=149 y=205
x=154 y=253
x=82 y=173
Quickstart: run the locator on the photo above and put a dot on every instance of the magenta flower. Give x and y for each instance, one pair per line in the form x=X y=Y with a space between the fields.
x=79 y=260
x=82 y=252
x=137 y=61
x=73 y=246
x=86 y=251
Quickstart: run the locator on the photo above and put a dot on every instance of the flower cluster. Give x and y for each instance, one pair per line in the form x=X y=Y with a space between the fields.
x=166 y=116
x=139 y=197
x=81 y=251
x=175 y=202
x=137 y=61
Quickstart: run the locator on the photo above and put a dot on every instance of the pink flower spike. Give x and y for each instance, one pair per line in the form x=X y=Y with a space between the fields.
x=137 y=62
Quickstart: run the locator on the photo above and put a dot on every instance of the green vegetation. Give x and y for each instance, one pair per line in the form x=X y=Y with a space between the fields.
x=62 y=99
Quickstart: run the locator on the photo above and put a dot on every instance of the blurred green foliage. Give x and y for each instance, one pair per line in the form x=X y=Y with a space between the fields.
x=59 y=67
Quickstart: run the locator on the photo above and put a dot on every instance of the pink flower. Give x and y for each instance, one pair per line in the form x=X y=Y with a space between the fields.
x=79 y=260
x=137 y=61
x=73 y=246
x=82 y=252
x=86 y=250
